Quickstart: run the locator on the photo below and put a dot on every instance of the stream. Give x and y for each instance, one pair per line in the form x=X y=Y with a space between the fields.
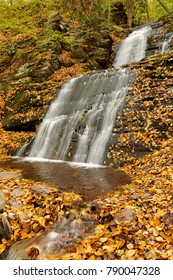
x=86 y=180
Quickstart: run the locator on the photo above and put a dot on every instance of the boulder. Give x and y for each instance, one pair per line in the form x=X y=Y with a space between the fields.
x=39 y=71
x=42 y=189
x=125 y=215
x=100 y=55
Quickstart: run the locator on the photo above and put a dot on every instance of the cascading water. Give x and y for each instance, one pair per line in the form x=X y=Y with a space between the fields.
x=83 y=113
x=132 y=49
x=85 y=108
x=165 y=46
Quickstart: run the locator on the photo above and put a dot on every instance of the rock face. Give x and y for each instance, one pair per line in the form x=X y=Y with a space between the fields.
x=146 y=118
x=93 y=46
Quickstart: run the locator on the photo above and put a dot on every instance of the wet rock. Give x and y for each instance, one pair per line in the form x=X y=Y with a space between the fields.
x=147 y=196
x=6 y=175
x=13 y=204
x=44 y=70
x=42 y=189
x=100 y=55
x=6 y=225
x=125 y=215
x=19 y=250
x=62 y=234
x=2 y=232
x=79 y=54
x=2 y=200
x=17 y=192
x=23 y=218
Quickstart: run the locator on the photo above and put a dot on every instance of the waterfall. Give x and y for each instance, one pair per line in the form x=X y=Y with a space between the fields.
x=132 y=49
x=80 y=120
x=165 y=46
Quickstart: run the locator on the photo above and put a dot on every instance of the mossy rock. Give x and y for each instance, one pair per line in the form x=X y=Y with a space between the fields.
x=101 y=56
x=79 y=54
x=38 y=71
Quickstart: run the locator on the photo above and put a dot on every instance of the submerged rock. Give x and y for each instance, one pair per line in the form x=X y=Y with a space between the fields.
x=5 y=175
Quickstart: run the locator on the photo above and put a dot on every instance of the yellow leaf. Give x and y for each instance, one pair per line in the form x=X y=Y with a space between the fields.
x=117 y=232
x=2 y=248
x=130 y=246
x=120 y=243
x=41 y=221
x=170 y=253
x=88 y=248
x=92 y=257
x=141 y=221
x=103 y=239
x=108 y=249
x=160 y=213
x=142 y=244
x=150 y=255
x=160 y=239
x=130 y=253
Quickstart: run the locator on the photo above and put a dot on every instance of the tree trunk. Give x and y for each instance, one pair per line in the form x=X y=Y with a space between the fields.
x=147 y=11
x=166 y=8
x=109 y=11
x=130 y=13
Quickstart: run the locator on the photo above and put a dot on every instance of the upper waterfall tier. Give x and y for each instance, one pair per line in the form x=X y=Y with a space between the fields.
x=132 y=48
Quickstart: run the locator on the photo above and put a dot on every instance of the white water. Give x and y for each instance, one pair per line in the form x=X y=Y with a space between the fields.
x=84 y=111
x=132 y=49
x=165 y=47
x=86 y=108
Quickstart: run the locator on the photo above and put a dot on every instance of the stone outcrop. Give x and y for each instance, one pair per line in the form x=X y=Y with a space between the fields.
x=38 y=71
x=58 y=47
